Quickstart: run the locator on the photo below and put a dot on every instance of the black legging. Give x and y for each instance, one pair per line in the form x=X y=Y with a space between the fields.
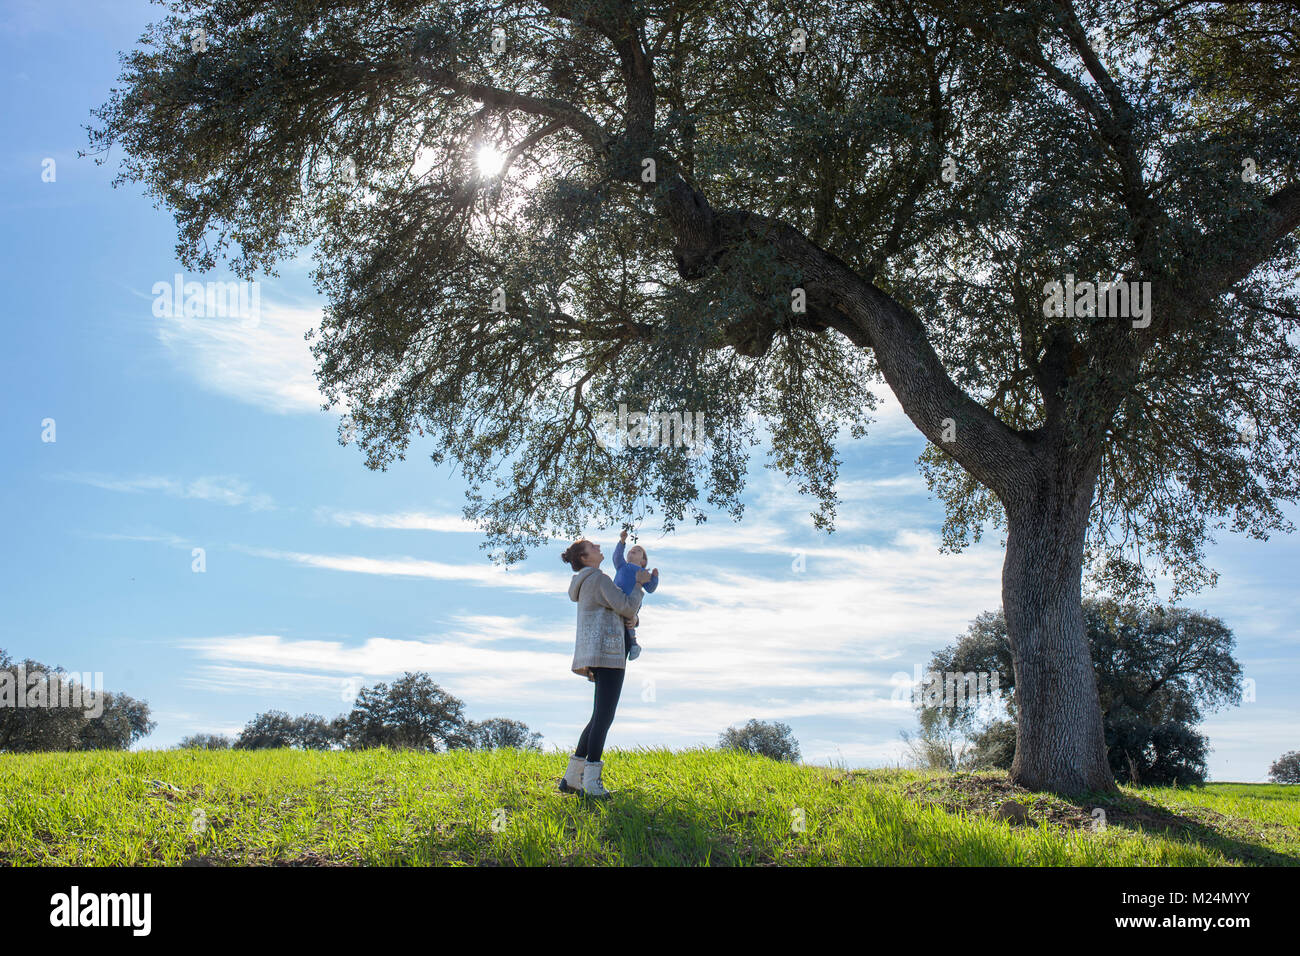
x=609 y=684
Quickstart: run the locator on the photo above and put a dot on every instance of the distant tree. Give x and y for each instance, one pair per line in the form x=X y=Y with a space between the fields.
x=339 y=729
x=1286 y=768
x=414 y=713
x=205 y=742
x=124 y=721
x=25 y=728
x=994 y=746
x=275 y=728
x=498 y=732
x=766 y=739
x=938 y=745
x=1157 y=670
x=271 y=730
x=313 y=732
x=88 y=720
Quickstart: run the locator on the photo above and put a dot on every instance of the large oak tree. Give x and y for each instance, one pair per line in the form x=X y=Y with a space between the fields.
x=675 y=170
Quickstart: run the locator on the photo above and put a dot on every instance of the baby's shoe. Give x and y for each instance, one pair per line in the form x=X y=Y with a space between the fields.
x=634 y=651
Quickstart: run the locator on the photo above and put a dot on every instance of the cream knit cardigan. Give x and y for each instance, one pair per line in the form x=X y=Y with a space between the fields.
x=601 y=610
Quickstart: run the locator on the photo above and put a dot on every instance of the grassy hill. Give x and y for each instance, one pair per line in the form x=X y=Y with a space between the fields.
x=695 y=807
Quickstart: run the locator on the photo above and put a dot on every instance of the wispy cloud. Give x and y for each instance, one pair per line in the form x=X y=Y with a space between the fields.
x=169 y=539
x=890 y=424
x=866 y=489
x=480 y=573
x=278 y=666
x=268 y=365
x=483 y=628
x=219 y=489
x=777 y=521
x=404 y=521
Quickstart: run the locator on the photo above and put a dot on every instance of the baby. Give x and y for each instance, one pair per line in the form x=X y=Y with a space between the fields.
x=625 y=577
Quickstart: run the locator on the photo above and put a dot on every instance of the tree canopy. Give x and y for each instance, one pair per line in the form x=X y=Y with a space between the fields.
x=1098 y=139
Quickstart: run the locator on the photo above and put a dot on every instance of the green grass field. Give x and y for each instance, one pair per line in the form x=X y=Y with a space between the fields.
x=690 y=808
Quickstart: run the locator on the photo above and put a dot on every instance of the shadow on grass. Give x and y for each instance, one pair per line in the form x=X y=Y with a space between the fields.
x=1234 y=837
x=638 y=828
x=1225 y=835
x=631 y=828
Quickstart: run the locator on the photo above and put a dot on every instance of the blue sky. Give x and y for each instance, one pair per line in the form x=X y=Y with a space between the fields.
x=174 y=434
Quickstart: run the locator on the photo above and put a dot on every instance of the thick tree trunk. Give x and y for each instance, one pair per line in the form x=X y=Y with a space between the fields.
x=1045 y=483
x=1060 y=743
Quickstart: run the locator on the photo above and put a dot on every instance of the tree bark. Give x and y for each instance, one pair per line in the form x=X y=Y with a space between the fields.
x=1060 y=740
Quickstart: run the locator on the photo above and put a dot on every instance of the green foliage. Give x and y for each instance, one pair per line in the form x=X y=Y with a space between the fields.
x=91 y=720
x=413 y=713
x=205 y=742
x=762 y=738
x=994 y=745
x=274 y=729
x=499 y=732
x=960 y=742
x=1197 y=434
x=1286 y=768
x=1124 y=164
x=938 y=745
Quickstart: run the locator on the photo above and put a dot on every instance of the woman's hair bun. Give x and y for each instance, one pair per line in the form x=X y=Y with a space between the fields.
x=573 y=554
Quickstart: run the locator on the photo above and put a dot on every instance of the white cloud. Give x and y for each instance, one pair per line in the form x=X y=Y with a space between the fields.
x=171 y=540
x=268 y=364
x=831 y=753
x=485 y=574
x=220 y=489
x=276 y=666
x=866 y=489
x=891 y=424
x=749 y=537
x=479 y=628
x=405 y=520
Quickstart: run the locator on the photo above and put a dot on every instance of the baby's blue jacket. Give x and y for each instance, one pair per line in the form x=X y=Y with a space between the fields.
x=625 y=574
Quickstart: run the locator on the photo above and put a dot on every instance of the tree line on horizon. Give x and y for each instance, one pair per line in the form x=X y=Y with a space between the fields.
x=1158 y=670
x=413 y=713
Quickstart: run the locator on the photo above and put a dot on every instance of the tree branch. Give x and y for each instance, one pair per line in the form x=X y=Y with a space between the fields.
x=592 y=132
x=1281 y=217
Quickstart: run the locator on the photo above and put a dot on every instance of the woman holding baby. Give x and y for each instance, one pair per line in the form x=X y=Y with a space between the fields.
x=605 y=614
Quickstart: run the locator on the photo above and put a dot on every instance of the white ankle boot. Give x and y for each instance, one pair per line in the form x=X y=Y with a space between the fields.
x=571 y=782
x=592 y=785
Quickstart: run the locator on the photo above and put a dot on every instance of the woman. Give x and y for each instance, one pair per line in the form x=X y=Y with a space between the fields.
x=599 y=656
